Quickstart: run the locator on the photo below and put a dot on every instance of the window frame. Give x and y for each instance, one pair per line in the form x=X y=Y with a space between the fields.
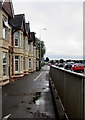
x=21 y=63
x=16 y=39
x=29 y=62
x=16 y=71
x=9 y=36
x=21 y=40
x=5 y=64
x=24 y=63
x=6 y=28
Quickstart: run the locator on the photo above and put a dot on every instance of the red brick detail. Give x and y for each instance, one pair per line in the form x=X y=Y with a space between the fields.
x=8 y=7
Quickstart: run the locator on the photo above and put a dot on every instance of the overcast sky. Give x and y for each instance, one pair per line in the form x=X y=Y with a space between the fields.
x=63 y=21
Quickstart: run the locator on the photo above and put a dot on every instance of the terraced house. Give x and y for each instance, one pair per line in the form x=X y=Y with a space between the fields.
x=18 y=52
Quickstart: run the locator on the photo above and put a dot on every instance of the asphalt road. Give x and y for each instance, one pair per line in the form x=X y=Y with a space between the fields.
x=29 y=97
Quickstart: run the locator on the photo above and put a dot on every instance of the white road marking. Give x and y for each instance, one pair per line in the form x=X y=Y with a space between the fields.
x=38 y=76
x=6 y=117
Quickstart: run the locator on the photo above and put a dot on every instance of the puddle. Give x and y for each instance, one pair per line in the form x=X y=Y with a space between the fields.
x=22 y=101
x=46 y=90
x=40 y=101
x=31 y=112
x=43 y=88
x=38 y=93
x=46 y=83
x=28 y=108
x=30 y=102
x=36 y=97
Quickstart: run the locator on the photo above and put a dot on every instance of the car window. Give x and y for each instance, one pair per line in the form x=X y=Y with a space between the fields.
x=73 y=65
x=79 y=65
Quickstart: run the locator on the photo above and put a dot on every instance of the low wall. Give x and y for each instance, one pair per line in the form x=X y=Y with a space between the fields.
x=71 y=90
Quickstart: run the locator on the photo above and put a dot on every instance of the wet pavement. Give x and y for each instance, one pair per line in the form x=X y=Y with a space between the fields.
x=29 y=97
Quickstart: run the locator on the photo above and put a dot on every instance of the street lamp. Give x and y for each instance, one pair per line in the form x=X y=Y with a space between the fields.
x=40 y=45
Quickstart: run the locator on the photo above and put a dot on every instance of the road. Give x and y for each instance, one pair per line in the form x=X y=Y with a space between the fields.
x=29 y=97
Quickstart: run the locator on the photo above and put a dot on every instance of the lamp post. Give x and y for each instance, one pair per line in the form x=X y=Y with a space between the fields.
x=40 y=48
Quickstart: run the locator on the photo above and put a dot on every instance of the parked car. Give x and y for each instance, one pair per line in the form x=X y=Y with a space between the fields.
x=56 y=64
x=77 y=67
x=68 y=66
x=84 y=64
x=60 y=65
x=49 y=64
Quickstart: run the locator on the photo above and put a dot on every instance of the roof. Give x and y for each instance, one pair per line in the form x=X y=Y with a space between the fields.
x=18 y=22
x=28 y=29
x=8 y=7
x=32 y=36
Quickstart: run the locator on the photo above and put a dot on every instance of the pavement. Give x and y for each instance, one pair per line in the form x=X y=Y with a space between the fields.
x=29 y=97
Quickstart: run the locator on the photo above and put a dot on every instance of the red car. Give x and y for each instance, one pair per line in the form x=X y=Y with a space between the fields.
x=77 y=68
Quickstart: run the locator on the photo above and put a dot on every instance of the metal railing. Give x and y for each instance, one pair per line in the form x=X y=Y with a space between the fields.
x=71 y=90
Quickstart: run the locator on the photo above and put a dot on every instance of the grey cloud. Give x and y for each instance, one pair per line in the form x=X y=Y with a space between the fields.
x=64 y=23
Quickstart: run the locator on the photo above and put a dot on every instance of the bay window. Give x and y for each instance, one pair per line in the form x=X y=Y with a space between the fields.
x=24 y=45
x=16 y=42
x=16 y=63
x=29 y=63
x=21 y=40
x=23 y=63
x=4 y=64
x=9 y=36
x=6 y=28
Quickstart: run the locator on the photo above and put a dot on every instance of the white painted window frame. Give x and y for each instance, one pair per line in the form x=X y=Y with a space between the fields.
x=17 y=39
x=14 y=63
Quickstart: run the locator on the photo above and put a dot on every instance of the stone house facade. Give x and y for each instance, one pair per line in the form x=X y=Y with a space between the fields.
x=18 y=52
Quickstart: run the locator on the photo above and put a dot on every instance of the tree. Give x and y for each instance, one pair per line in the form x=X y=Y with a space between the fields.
x=78 y=61
x=61 y=61
x=43 y=49
x=47 y=59
x=68 y=60
x=52 y=61
x=57 y=61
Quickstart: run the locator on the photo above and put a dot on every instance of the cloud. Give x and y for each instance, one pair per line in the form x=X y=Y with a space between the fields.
x=48 y=1
x=63 y=22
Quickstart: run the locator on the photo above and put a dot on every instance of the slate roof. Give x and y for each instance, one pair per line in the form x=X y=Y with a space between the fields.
x=18 y=22
x=28 y=29
x=32 y=37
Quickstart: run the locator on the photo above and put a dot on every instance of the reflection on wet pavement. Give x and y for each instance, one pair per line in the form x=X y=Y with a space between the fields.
x=28 y=98
x=40 y=101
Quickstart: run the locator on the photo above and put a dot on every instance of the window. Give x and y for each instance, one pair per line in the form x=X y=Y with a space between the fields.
x=16 y=63
x=9 y=36
x=4 y=63
x=5 y=33
x=34 y=52
x=4 y=19
x=21 y=36
x=23 y=63
x=29 y=47
x=24 y=43
x=6 y=29
x=16 y=38
x=26 y=63
x=29 y=63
